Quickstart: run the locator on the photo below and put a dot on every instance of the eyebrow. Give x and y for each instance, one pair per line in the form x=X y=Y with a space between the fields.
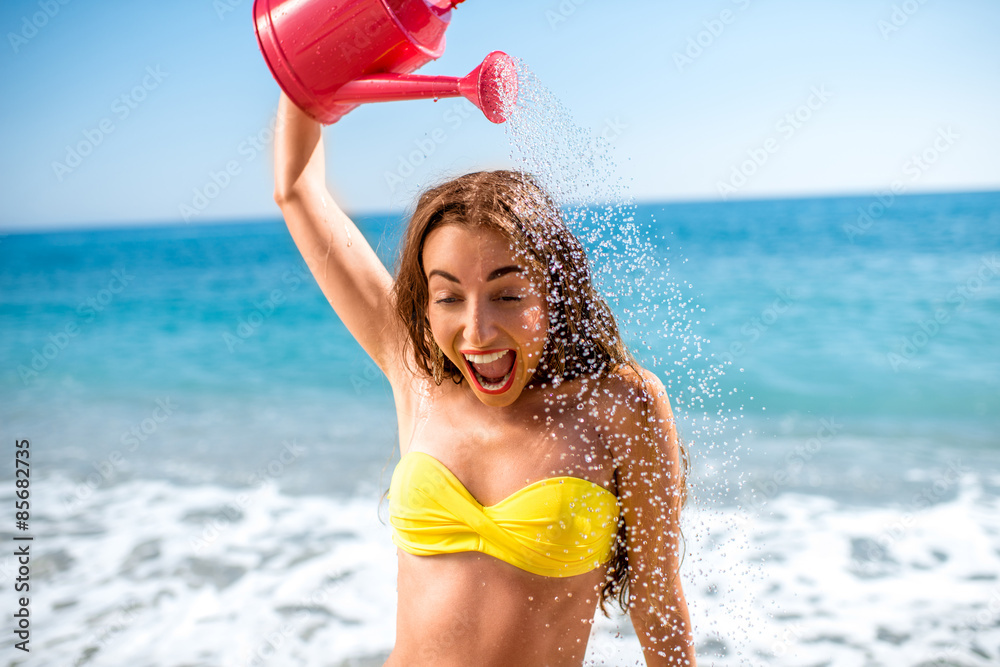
x=494 y=274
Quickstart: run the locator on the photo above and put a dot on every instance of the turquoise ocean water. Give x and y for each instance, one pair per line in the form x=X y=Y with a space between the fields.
x=161 y=374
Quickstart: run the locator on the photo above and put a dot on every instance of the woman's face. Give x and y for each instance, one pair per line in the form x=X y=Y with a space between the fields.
x=487 y=311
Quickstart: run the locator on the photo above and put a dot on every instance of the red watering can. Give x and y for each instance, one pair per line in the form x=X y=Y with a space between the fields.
x=331 y=55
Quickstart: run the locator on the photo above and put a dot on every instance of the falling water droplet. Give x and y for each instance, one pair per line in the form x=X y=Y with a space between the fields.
x=632 y=266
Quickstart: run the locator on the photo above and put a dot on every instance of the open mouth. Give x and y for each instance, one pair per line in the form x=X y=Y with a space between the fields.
x=493 y=372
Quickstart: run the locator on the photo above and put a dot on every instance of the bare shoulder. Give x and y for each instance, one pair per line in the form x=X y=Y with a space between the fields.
x=639 y=379
x=626 y=391
x=636 y=412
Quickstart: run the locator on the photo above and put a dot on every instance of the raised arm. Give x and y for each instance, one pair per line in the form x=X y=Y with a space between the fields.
x=352 y=277
x=651 y=492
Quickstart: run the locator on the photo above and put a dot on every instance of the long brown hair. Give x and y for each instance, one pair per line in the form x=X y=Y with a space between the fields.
x=583 y=337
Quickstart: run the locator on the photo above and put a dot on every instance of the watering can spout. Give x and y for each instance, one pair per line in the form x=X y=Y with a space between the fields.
x=331 y=55
x=492 y=87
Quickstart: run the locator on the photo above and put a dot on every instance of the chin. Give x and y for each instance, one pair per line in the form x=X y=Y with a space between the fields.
x=499 y=400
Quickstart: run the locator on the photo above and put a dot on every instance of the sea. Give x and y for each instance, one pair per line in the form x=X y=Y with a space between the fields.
x=208 y=446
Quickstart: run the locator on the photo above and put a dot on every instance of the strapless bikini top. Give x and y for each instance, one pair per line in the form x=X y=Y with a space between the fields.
x=556 y=527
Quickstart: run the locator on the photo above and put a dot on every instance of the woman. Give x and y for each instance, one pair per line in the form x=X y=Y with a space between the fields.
x=540 y=472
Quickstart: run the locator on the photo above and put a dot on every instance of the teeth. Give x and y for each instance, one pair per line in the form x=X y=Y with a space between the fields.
x=485 y=358
x=493 y=387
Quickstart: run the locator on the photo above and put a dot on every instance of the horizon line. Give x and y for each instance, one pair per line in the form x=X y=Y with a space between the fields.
x=63 y=227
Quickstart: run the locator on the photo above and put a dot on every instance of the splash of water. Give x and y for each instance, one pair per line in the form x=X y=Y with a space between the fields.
x=660 y=318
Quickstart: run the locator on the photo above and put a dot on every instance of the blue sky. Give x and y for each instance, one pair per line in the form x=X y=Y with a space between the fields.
x=876 y=85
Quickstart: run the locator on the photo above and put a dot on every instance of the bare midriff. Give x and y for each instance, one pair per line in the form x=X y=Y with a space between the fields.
x=470 y=608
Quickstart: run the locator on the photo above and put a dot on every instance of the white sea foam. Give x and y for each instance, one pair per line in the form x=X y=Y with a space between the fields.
x=152 y=573
x=838 y=585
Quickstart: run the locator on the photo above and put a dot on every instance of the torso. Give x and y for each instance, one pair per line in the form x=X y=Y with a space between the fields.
x=455 y=605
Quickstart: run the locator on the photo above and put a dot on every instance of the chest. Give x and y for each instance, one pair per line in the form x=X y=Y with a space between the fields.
x=495 y=452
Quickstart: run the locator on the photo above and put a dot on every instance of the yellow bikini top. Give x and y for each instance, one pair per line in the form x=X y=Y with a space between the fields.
x=557 y=527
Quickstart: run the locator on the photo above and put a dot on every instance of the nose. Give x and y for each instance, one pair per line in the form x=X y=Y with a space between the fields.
x=480 y=325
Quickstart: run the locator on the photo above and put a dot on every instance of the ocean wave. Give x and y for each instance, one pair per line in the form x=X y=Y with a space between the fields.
x=153 y=573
